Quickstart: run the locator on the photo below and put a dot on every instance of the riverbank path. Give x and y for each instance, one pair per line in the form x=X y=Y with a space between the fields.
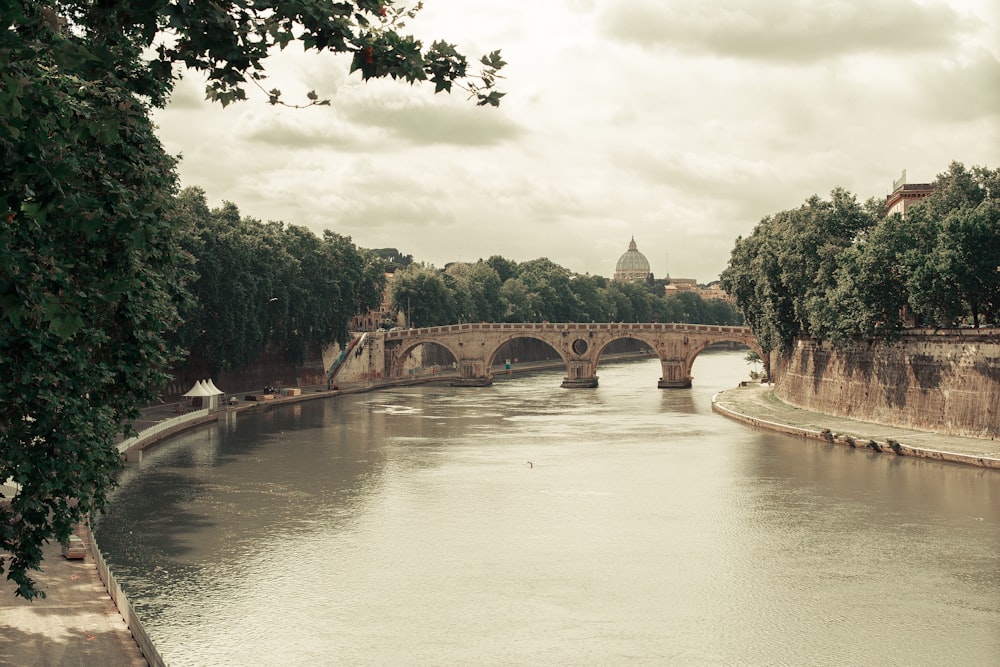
x=76 y=625
x=757 y=404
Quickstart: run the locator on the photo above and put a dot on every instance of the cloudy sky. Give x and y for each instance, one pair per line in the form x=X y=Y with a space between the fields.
x=679 y=122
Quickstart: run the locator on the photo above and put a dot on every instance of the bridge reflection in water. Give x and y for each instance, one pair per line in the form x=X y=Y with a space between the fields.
x=580 y=345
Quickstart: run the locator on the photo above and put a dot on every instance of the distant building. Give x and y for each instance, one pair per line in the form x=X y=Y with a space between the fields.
x=714 y=291
x=632 y=267
x=904 y=195
x=376 y=319
x=710 y=291
x=681 y=285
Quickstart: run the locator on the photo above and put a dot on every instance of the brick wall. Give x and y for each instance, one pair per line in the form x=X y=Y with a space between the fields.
x=940 y=381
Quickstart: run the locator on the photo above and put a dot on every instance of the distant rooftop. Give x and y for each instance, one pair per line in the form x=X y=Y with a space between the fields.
x=905 y=195
x=914 y=187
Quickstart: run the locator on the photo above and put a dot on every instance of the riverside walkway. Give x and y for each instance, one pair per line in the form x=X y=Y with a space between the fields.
x=756 y=405
x=76 y=625
x=79 y=625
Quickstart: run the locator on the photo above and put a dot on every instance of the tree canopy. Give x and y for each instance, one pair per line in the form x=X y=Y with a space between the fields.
x=93 y=275
x=268 y=286
x=540 y=290
x=841 y=271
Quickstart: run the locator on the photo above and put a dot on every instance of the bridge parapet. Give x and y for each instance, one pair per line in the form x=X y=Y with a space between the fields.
x=565 y=326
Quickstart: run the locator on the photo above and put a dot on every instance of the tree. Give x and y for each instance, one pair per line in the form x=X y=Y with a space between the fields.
x=952 y=264
x=720 y=311
x=590 y=292
x=91 y=272
x=838 y=270
x=550 y=285
x=754 y=278
x=393 y=259
x=809 y=241
x=269 y=286
x=520 y=303
x=478 y=286
x=91 y=276
x=619 y=304
x=505 y=268
x=968 y=250
x=421 y=292
x=781 y=276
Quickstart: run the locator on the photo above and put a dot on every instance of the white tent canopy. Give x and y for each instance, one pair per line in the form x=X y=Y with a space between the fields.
x=203 y=388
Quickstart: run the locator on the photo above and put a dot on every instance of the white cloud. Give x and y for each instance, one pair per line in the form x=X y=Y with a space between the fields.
x=794 y=31
x=677 y=121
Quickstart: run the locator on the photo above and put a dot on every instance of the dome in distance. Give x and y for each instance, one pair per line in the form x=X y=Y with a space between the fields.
x=632 y=266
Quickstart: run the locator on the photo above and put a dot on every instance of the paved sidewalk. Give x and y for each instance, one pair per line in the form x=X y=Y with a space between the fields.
x=77 y=624
x=757 y=405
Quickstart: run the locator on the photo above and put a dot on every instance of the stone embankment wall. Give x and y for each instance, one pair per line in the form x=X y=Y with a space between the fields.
x=273 y=368
x=947 y=381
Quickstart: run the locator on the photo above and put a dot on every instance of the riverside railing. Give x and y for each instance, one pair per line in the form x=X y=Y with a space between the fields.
x=132 y=620
x=160 y=427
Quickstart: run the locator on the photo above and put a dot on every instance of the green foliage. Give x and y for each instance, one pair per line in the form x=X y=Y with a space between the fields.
x=268 y=286
x=753 y=278
x=839 y=271
x=505 y=268
x=952 y=266
x=392 y=259
x=553 y=299
x=422 y=294
x=144 y=44
x=476 y=289
x=90 y=278
x=539 y=290
x=92 y=272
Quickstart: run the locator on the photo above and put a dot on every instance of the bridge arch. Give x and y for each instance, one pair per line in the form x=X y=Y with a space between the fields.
x=701 y=347
x=396 y=368
x=649 y=342
x=492 y=355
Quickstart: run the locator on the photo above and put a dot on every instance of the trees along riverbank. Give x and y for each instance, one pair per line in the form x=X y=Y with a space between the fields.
x=268 y=286
x=833 y=277
x=841 y=271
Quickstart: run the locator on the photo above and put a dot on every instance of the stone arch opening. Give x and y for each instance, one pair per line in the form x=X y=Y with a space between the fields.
x=722 y=345
x=623 y=348
x=422 y=358
x=523 y=350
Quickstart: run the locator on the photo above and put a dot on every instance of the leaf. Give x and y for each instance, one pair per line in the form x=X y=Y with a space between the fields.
x=493 y=99
x=65 y=326
x=493 y=60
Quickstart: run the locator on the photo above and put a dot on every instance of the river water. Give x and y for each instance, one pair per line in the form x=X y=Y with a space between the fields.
x=407 y=527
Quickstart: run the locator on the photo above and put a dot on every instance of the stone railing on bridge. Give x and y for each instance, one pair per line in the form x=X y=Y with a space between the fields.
x=580 y=345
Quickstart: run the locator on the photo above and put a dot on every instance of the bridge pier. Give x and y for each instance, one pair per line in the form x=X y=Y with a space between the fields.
x=472 y=373
x=675 y=374
x=580 y=375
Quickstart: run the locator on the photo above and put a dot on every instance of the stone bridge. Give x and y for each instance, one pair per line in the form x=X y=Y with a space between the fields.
x=475 y=347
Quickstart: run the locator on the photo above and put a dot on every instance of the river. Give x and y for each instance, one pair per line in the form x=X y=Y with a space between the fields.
x=525 y=524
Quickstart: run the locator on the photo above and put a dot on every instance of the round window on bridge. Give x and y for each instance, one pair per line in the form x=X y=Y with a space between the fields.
x=580 y=346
